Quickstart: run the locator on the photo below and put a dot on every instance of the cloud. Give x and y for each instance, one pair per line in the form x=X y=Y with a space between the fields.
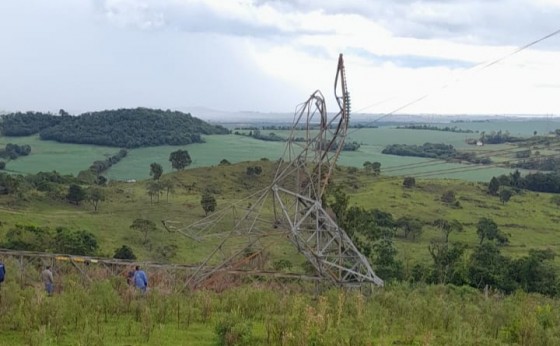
x=269 y=54
x=413 y=61
x=235 y=18
x=70 y=55
x=488 y=22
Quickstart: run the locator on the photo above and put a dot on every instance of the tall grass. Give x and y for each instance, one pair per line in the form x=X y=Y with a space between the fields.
x=107 y=313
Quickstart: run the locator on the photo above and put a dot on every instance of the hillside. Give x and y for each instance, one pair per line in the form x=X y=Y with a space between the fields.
x=530 y=218
x=124 y=128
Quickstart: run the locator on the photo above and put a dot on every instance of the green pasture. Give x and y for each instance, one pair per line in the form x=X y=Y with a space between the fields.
x=72 y=158
x=217 y=147
x=50 y=156
x=522 y=128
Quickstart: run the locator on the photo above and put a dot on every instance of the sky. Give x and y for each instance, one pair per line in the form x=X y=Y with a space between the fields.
x=270 y=55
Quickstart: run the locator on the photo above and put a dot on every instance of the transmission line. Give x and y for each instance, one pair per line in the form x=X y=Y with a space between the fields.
x=479 y=67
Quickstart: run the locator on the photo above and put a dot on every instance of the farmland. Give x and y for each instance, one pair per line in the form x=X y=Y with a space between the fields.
x=72 y=158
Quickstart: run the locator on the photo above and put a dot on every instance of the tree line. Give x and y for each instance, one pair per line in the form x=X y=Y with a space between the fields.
x=435 y=128
x=100 y=166
x=125 y=128
x=435 y=151
x=12 y=152
x=538 y=182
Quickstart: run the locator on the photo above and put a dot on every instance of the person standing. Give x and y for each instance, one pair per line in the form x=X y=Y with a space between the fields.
x=48 y=280
x=2 y=273
x=140 y=279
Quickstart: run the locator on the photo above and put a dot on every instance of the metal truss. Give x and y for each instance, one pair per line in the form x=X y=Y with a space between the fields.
x=293 y=202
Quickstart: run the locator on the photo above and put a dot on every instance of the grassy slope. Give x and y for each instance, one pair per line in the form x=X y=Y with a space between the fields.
x=530 y=218
x=128 y=201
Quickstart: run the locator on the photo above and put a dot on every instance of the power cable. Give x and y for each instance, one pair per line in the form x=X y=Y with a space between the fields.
x=481 y=66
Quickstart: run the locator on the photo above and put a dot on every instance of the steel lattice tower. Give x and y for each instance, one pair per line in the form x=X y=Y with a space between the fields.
x=295 y=197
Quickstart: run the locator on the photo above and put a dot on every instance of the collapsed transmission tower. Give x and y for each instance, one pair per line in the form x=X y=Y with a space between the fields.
x=291 y=206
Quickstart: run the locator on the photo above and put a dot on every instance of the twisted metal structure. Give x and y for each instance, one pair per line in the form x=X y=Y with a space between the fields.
x=293 y=202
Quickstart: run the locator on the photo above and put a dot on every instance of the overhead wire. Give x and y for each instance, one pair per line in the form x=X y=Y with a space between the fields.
x=481 y=66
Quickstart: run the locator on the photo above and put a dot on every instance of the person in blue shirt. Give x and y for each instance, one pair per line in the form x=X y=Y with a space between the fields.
x=140 y=279
x=2 y=272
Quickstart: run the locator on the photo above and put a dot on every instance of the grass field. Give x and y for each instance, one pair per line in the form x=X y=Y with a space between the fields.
x=72 y=158
x=109 y=313
x=530 y=218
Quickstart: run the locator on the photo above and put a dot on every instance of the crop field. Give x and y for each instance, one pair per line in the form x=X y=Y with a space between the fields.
x=50 y=156
x=521 y=128
x=72 y=158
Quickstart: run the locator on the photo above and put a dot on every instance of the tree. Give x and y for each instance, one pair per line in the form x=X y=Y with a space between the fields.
x=487 y=267
x=253 y=170
x=448 y=197
x=168 y=186
x=224 y=162
x=536 y=272
x=340 y=203
x=76 y=194
x=28 y=238
x=487 y=229
x=516 y=178
x=446 y=262
x=124 y=252
x=87 y=176
x=94 y=196
x=446 y=227
x=409 y=182
x=208 y=202
x=410 y=226
x=493 y=186
x=505 y=195
x=180 y=159
x=2 y=165
x=143 y=226
x=376 y=168
x=74 y=242
x=372 y=167
x=385 y=262
x=156 y=170
x=154 y=188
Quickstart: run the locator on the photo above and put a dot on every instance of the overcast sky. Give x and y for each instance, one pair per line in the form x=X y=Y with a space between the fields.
x=270 y=55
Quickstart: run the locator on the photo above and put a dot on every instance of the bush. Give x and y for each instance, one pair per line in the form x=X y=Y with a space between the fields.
x=232 y=332
x=409 y=182
x=124 y=252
